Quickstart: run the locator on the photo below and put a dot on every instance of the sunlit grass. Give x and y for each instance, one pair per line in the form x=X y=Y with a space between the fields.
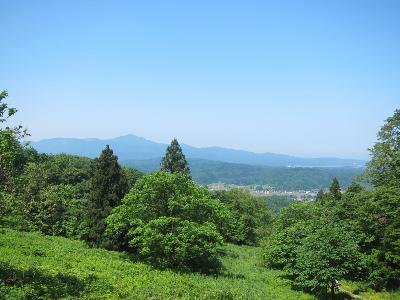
x=33 y=265
x=356 y=288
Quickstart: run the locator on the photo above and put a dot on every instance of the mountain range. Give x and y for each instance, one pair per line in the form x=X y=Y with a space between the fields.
x=133 y=148
x=216 y=164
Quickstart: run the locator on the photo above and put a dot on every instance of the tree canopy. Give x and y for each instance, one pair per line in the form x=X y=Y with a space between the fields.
x=384 y=166
x=12 y=156
x=170 y=221
x=351 y=235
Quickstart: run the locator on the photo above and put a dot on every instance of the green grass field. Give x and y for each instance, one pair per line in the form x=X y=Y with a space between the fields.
x=34 y=266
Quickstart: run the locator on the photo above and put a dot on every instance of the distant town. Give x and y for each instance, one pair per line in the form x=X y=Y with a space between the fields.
x=265 y=190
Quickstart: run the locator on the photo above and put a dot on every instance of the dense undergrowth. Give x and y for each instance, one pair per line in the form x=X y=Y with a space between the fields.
x=35 y=266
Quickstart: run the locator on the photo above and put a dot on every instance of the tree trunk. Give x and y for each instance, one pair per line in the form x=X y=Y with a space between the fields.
x=332 y=291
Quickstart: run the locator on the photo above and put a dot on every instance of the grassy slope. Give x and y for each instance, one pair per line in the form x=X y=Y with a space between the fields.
x=33 y=265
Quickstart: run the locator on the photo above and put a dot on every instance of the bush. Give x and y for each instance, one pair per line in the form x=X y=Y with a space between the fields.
x=56 y=210
x=50 y=195
x=250 y=217
x=280 y=248
x=169 y=242
x=330 y=253
x=377 y=221
x=290 y=228
x=314 y=249
x=169 y=221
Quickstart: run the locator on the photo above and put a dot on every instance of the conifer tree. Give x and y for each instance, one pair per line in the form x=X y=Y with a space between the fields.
x=108 y=186
x=174 y=160
x=320 y=195
x=334 y=189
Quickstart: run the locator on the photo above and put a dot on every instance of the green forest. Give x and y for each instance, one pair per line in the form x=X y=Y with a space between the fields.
x=78 y=228
x=280 y=178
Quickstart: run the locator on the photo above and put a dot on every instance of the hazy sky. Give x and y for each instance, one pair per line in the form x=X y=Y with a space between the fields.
x=311 y=78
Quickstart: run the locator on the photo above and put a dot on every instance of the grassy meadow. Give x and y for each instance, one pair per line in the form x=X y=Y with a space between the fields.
x=35 y=266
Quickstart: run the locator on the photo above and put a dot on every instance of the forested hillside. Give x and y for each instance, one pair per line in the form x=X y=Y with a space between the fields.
x=280 y=178
x=76 y=227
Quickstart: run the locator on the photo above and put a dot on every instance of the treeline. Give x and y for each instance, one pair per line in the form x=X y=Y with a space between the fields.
x=353 y=235
x=280 y=178
x=163 y=218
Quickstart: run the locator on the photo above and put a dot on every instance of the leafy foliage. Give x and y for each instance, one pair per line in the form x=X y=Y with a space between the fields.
x=290 y=228
x=170 y=210
x=57 y=211
x=384 y=167
x=170 y=242
x=329 y=253
x=12 y=158
x=346 y=235
x=250 y=219
x=377 y=222
x=132 y=175
x=50 y=195
x=276 y=203
x=314 y=250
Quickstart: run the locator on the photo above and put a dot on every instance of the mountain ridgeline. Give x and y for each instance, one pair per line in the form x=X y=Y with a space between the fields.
x=131 y=147
x=214 y=164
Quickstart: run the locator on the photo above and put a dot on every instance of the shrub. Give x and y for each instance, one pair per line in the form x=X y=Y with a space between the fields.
x=330 y=253
x=250 y=217
x=169 y=242
x=169 y=221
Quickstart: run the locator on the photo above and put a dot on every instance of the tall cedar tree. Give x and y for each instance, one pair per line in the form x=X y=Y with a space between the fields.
x=320 y=195
x=108 y=186
x=334 y=189
x=174 y=160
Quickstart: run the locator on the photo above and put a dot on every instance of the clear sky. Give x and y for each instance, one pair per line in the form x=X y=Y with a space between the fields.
x=310 y=78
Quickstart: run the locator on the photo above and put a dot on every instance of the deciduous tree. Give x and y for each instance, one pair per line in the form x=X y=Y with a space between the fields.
x=384 y=167
x=11 y=150
x=168 y=220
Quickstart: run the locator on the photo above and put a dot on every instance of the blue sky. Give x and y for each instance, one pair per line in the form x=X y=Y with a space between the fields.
x=310 y=78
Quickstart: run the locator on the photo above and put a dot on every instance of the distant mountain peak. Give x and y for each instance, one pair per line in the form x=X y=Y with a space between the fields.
x=133 y=147
x=129 y=135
